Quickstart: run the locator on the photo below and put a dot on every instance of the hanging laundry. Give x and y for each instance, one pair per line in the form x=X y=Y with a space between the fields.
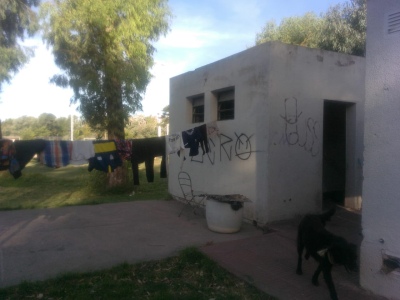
x=57 y=154
x=203 y=140
x=16 y=155
x=7 y=152
x=25 y=151
x=124 y=148
x=106 y=157
x=195 y=138
x=145 y=150
x=81 y=152
x=174 y=143
x=7 y=158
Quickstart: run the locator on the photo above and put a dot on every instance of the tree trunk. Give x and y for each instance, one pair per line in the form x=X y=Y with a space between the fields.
x=115 y=129
x=117 y=178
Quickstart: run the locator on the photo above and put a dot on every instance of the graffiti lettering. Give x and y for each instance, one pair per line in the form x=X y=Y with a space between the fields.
x=224 y=145
x=291 y=118
x=241 y=144
x=310 y=143
x=211 y=145
x=292 y=135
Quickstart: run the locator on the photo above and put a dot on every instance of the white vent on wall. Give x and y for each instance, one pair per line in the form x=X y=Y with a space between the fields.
x=393 y=23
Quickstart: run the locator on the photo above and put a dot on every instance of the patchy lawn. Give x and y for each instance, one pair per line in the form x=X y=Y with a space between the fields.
x=191 y=275
x=44 y=187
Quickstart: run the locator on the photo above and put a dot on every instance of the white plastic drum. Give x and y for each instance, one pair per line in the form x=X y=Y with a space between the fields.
x=222 y=218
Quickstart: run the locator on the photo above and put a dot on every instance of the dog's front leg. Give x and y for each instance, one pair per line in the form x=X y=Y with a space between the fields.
x=326 y=269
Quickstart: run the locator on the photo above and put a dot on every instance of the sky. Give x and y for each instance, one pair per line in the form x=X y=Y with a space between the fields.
x=201 y=32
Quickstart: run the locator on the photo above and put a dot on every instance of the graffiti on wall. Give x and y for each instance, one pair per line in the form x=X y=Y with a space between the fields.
x=227 y=148
x=299 y=130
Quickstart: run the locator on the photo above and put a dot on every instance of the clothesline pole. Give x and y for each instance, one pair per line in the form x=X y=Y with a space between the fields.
x=72 y=126
x=158 y=125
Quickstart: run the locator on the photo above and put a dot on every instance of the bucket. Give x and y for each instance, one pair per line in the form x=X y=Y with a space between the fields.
x=223 y=217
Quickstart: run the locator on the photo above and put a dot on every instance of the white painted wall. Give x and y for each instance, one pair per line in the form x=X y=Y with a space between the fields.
x=301 y=80
x=221 y=171
x=281 y=178
x=381 y=189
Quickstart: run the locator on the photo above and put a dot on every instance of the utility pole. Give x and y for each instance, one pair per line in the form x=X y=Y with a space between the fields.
x=72 y=126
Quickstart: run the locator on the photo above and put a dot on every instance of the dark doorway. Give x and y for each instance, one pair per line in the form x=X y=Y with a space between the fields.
x=334 y=153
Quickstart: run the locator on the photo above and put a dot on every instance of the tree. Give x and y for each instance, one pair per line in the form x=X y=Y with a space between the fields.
x=165 y=120
x=142 y=127
x=48 y=126
x=17 y=20
x=342 y=29
x=294 y=30
x=345 y=28
x=105 y=50
x=82 y=130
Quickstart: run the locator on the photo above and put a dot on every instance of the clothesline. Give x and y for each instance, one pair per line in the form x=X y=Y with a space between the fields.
x=100 y=155
x=193 y=139
x=107 y=155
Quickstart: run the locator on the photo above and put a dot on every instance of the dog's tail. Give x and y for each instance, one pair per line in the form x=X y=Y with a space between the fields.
x=326 y=216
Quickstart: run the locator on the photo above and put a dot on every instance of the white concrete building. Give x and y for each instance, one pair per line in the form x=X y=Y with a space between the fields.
x=380 y=250
x=291 y=124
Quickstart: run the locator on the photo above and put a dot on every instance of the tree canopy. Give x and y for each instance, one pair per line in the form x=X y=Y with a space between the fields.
x=47 y=126
x=298 y=30
x=17 y=20
x=105 y=51
x=342 y=29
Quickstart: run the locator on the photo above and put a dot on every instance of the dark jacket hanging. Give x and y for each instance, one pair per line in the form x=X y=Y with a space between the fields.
x=195 y=138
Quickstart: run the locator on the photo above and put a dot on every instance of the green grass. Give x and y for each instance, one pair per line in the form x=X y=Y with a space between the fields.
x=191 y=275
x=44 y=187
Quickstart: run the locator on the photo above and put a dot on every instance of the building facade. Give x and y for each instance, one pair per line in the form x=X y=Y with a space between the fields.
x=290 y=123
x=380 y=250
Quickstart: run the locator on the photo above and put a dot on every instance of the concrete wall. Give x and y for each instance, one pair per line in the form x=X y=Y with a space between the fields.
x=381 y=189
x=223 y=171
x=301 y=80
x=279 y=99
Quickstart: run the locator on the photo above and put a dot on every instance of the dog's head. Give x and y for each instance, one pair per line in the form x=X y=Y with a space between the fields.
x=344 y=253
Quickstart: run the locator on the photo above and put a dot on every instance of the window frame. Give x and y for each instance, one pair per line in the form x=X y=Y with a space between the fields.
x=197 y=110
x=225 y=104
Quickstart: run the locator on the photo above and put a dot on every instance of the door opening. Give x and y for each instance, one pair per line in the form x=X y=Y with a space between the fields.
x=334 y=151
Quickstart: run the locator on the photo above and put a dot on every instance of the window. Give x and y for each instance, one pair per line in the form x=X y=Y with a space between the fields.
x=226 y=104
x=197 y=108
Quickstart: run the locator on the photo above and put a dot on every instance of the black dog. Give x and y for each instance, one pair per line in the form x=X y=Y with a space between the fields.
x=326 y=248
